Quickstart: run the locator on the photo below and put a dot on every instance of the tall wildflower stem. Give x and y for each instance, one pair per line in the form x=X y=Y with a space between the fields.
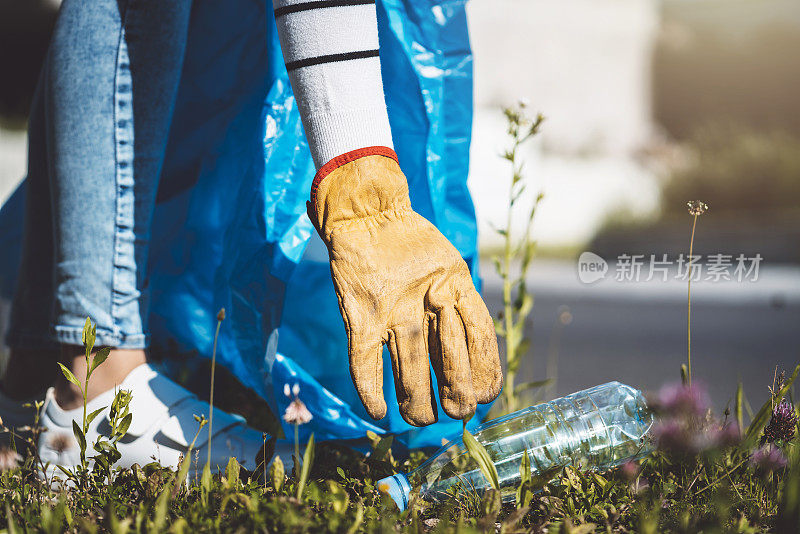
x=220 y=318
x=696 y=209
x=297 y=447
x=689 y=307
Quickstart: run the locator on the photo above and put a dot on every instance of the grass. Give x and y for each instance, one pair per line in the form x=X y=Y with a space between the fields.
x=709 y=484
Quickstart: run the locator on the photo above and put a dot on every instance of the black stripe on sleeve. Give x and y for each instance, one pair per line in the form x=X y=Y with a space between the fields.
x=330 y=59
x=305 y=6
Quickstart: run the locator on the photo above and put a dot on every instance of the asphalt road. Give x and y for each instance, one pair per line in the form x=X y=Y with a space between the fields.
x=637 y=335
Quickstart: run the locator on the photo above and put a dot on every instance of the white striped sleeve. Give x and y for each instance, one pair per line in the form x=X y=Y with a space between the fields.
x=331 y=52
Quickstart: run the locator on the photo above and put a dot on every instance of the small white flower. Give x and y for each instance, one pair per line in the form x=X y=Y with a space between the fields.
x=9 y=459
x=286 y=390
x=296 y=389
x=297 y=413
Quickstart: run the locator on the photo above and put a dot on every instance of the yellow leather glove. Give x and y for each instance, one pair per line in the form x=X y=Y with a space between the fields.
x=400 y=282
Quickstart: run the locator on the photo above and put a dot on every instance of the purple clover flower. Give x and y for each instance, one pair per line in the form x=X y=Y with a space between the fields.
x=671 y=435
x=685 y=425
x=782 y=424
x=727 y=435
x=630 y=470
x=769 y=458
x=677 y=399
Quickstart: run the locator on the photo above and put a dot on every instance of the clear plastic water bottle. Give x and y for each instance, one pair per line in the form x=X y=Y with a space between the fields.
x=599 y=427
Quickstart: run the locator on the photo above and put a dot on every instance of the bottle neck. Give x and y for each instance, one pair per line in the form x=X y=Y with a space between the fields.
x=398 y=488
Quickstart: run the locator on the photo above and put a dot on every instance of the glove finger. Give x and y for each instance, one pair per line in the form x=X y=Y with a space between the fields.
x=412 y=375
x=366 y=369
x=484 y=359
x=451 y=364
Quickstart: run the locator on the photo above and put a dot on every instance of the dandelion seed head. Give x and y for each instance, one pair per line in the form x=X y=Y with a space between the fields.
x=697 y=207
x=296 y=390
x=286 y=391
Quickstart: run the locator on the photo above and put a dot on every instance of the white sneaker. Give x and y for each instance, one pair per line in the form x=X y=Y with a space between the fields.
x=161 y=430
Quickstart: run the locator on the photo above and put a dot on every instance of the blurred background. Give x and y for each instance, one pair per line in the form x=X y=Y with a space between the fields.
x=649 y=104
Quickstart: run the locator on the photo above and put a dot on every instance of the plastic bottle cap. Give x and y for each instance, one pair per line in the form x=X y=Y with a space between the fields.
x=396 y=487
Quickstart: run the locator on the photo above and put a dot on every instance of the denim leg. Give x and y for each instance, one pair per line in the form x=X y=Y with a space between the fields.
x=108 y=91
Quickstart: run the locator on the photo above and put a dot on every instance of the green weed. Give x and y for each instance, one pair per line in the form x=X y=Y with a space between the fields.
x=513 y=265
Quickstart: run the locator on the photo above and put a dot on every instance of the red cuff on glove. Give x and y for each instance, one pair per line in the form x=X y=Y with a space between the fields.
x=345 y=158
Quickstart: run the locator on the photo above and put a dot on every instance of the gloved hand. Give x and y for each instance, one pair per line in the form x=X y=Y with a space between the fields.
x=399 y=281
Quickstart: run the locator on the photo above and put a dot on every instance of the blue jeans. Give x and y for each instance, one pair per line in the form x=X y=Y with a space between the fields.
x=97 y=138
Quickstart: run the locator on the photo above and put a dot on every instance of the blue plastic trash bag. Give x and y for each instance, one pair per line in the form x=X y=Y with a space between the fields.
x=230 y=227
